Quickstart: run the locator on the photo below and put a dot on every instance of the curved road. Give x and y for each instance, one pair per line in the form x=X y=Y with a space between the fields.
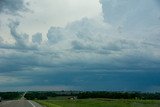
x=19 y=103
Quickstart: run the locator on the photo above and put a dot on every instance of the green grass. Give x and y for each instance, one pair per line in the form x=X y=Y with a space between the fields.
x=99 y=103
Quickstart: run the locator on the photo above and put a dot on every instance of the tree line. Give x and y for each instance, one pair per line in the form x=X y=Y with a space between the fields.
x=39 y=95
x=93 y=94
x=10 y=95
x=42 y=95
x=119 y=95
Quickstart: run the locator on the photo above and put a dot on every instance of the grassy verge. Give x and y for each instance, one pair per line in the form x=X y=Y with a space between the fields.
x=47 y=104
x=99 y=103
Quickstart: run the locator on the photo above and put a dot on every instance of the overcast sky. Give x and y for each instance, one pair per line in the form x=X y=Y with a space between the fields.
x=80 y=45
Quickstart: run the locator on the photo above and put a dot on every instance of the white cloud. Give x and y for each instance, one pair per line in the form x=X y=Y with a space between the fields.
x=57 y=13
x=44 y=14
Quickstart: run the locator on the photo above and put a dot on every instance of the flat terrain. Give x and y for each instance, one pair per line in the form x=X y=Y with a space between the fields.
x=99 y=103
x=19 y=103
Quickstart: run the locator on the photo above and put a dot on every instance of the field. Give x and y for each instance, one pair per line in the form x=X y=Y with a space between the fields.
x=99 y=103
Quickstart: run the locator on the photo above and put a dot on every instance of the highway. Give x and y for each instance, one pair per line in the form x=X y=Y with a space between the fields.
x=22 y=102
x=19 y=103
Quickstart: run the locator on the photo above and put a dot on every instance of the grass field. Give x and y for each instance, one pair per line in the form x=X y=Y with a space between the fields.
x=99 y=103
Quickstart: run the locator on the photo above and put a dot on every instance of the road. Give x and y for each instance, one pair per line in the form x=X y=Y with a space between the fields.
x=22 y=102
x=19 y=103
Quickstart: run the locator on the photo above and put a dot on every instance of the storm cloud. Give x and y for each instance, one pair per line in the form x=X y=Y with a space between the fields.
x=12 y=6
x=114 y=49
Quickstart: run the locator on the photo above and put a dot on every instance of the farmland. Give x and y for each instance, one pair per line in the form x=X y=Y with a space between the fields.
x=81 y=99
x=95 y=99
x=99 y=102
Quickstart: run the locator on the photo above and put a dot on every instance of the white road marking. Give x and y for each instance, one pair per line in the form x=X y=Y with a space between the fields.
x=31 y=103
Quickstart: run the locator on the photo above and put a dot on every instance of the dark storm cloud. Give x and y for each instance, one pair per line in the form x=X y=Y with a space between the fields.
x=87 y=50
x=17 y=62
x=12 y=6
x=101 y=81
x=108 y=55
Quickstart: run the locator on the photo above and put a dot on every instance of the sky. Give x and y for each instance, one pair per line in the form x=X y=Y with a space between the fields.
x=104 y=45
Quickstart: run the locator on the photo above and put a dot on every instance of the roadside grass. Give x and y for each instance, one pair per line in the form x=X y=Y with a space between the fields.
x=99 y=103
x=47 y=104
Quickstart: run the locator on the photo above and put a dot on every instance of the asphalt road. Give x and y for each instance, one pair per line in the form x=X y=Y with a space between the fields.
x=19 y=103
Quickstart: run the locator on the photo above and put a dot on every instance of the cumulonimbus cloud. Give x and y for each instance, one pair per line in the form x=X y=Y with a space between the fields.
x=86 y=45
